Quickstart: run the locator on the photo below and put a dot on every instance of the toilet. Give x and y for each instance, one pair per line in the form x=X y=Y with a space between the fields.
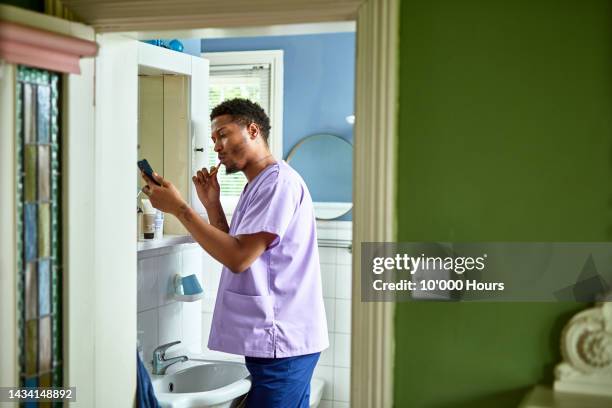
x=316 y=392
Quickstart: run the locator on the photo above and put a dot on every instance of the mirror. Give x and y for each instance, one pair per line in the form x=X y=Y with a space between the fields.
x=325 y=162
x=163 y=132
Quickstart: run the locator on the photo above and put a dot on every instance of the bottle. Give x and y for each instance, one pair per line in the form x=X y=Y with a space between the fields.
x=139 y=224
x=148 y=220
x=159 y=225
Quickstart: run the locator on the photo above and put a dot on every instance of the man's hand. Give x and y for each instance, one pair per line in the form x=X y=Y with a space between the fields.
x=165 y=197
x=207 y=187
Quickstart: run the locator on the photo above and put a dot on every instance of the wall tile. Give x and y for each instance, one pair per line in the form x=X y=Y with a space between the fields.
x=209 y=295
x=206 y=323
x=327 y=255
x=192 y=325
x=211 y=278
x=168 y=266
x=148 y=292
x=344 y=230
x=208 y=301
x=328 y=280
x=342 y=350
x=330 y=313
x=326 y=404
x=342 y=384
x=343 y=282
x=170 y=323
x=343 y=256
x=343 y=316
x=215 y=269
x=327 y=356
x=325 y=373
x=340 y=404
x=193 y=262
x=147 y=323
x=325 y=231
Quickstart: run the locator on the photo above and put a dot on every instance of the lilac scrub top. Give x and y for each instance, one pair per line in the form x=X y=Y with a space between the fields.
x=275 y=307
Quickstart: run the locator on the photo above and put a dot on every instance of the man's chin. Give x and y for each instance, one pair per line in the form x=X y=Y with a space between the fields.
x=231 y=170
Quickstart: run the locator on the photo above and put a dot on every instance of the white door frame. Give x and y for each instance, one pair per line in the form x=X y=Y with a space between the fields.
x=374 y=181
x=374 y=213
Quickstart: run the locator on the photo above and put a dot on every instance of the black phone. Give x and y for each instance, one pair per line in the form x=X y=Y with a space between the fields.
x=146 y=168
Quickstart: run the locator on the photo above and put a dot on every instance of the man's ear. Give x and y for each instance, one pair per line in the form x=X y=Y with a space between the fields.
x=253 y=130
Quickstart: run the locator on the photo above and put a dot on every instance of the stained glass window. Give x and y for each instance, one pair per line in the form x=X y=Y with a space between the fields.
x=39 y=265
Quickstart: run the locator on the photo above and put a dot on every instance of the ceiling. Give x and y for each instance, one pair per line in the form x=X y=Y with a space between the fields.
x=155 y=15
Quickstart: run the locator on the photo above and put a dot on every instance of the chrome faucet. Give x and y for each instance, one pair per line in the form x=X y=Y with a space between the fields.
x=160 y=363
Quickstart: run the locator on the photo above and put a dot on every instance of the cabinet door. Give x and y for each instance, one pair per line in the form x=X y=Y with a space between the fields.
x=200 y=122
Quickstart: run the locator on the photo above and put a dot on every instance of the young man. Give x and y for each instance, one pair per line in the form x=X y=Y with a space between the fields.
x=269 y=305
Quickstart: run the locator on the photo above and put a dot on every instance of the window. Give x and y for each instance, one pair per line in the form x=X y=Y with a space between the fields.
x=255 y=75
x=39 y=238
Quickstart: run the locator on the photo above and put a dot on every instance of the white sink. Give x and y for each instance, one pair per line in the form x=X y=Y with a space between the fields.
x=208 y=384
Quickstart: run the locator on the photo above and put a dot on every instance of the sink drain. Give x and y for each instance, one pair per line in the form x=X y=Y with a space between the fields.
x=171 y=387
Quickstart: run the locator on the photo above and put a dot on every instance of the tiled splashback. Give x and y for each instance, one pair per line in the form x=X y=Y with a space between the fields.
x=163 y=320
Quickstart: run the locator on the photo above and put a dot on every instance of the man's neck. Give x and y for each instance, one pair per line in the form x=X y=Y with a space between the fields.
x=257 y=166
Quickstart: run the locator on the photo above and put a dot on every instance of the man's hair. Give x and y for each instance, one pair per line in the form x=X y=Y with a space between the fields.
x=244 y=112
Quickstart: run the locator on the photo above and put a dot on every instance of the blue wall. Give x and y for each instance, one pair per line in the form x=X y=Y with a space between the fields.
x=192 y=47
x=319 y=82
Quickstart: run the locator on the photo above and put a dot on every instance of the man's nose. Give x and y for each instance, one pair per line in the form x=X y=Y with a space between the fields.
x=218 y=146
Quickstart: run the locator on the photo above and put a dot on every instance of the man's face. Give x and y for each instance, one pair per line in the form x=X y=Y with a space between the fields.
x=232 y=143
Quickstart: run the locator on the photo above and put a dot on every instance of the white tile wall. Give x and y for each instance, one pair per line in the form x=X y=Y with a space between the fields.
x=147 y=284
x=342 y=378
x=161 y=319
x=169 y=322
x=343 y=316
x=168 y=265
x=147 y=323
x=343 y=346
x=336 y=277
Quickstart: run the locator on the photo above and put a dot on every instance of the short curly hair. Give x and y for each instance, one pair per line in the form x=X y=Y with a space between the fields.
x=244 y=112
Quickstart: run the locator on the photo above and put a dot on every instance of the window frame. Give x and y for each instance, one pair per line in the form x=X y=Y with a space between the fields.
x=275 y=59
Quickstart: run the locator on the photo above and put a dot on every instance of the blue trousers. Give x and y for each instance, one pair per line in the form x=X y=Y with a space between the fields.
x=280 y=382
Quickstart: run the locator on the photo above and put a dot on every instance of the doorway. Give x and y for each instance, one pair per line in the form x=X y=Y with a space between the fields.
x=374 y=168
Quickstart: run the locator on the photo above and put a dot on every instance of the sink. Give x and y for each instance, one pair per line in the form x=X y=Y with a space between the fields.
x=207 y=384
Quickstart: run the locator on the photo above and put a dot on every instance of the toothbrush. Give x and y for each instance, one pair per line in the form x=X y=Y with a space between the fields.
x=216 y=169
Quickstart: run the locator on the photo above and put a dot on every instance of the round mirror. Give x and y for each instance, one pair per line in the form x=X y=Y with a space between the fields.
x=325 y=162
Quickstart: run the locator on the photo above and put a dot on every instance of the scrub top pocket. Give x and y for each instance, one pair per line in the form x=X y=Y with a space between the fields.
x=249 y=319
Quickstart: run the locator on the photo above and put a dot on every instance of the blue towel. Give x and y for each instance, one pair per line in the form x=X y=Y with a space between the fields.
x=145 y=396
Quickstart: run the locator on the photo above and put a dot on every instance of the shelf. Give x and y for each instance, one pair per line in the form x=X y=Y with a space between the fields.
x=166 y=241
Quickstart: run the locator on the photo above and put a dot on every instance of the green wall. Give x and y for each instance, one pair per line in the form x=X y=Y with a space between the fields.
x=505 y=134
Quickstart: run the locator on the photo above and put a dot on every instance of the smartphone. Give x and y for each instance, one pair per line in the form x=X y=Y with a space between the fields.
x=145 y=167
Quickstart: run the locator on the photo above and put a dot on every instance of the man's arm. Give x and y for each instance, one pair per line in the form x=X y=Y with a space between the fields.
x=237 y=253
x=216 y=217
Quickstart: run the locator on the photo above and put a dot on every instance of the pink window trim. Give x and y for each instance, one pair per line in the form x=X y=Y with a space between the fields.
x=20 y=44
